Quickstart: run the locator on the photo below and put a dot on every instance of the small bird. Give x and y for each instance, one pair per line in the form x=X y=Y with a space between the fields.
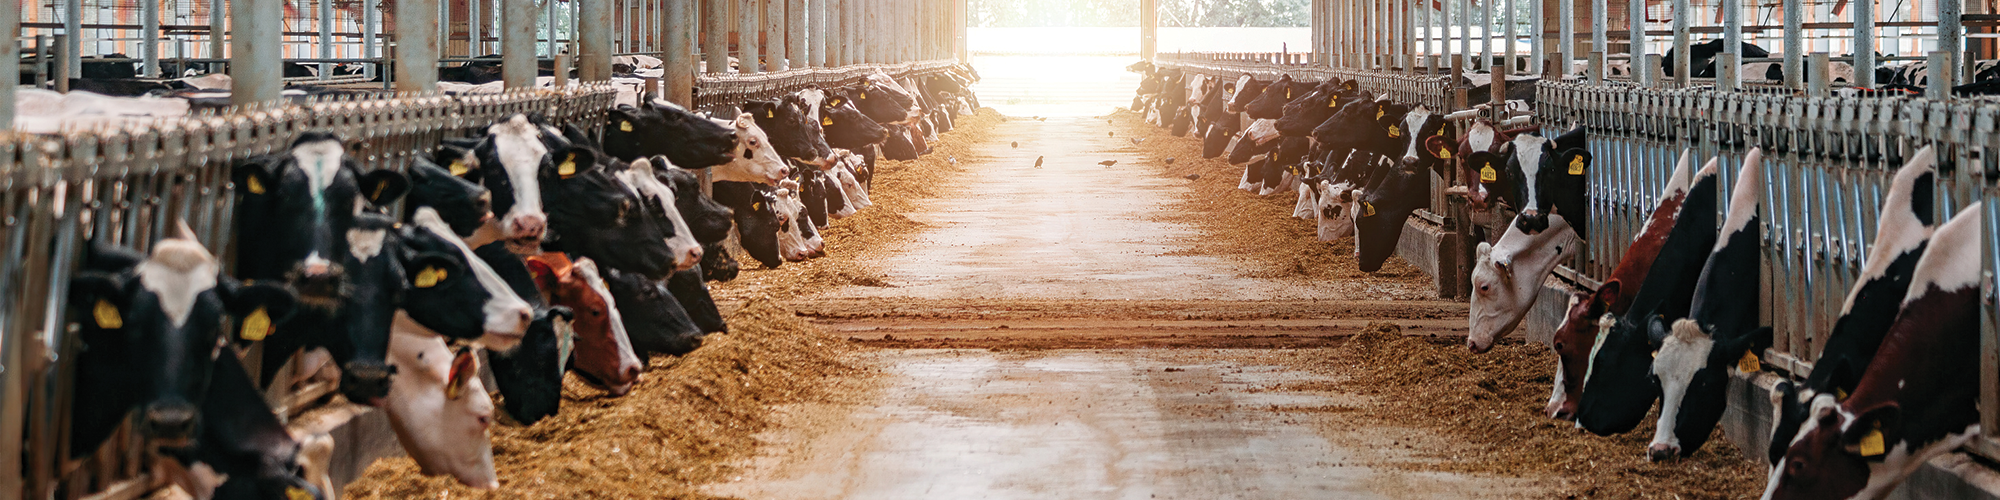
x=1170 y=160
x=1107 y=122
x=1108 y=162
x=1038 y=161
x=1110 y=134
x=1017 y=144
x=1193 y=176
x=1041 y=119
x=1136 y=141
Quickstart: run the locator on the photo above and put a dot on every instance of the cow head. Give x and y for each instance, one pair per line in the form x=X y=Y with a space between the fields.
x=664 y=128
x=1694 y=361
x=846 y=127
x=440 y=410
x=850 y=181
x=793 y=133
x=1552 y=179
x=1247 y=89
x=516 y=156
x=1309 y=111
x=1507 y=277
x=756 y=160
x=595 y=214
x=1364 y=125
x=654 y=320
x=757 y=221
x=300 y=203
x=604 y=355
x=640 y=177
x=1427 y=139
x=453 y=292
x=796 y=236
x=1484 y=171
x=1270 y=104
x=1333 y=209
x=159 y=323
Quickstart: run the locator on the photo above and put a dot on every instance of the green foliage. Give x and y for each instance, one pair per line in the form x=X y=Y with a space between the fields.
x=1115 y=13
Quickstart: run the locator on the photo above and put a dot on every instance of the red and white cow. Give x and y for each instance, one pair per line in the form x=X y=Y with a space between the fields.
x=1918 y=399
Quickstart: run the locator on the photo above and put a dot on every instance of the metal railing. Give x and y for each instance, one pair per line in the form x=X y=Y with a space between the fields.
x=732 y=89
x=128 y=184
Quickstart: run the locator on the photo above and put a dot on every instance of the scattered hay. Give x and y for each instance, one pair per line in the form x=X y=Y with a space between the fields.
x=1258 y=231
x=682 y=427
x=1488 y=409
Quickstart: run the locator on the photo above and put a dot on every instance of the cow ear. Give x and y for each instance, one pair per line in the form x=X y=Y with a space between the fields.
x=576 y=134
x=563 y=312
x=1575 y=161
x=545 y=274
x=1606 y=293
x=430 y=269
x=383 y=186
x=464 y=368
x=1574 y=139
x=256 y=176
x=1864 y=435
x=102 y=298
x=258 y=308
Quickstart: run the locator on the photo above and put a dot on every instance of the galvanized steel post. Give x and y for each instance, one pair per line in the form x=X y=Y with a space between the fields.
x=749 y=49
x=1486 y=34
x=958 y=21
x=1508 y=21
x=796 y=32
x=149 y=48
x=517 y=54
x=1817 y=85
x=1951 y=39
x=475 y=37
x=371 y=44
x=1465 y=33
x=1732 y=44
x=1566 y=35
x=593 y=33
x=1149 y=27
x=73 y=46
x=256 y=60
x=679 y=60
x=551 y=15
x=1939 y=64
x=1635 y=12
x=1423 y=30
x=1409 y=22
x=218 y=17
x=1683 y=65
x=1538 y=46
x=1600 y=20
x=816 y=33
x=776 y=55
x=10 y=22
x=1864 y=43
x=325 y=38
x=1795 y=44
x=416 y=47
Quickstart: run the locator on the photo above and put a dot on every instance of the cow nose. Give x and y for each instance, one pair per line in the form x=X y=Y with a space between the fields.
x=365 y=382
x=784 y=172
x=1410 y=159
x=530 y=226
x=1473 y=345
x=170 y=420
x=1563 y=411
x=317 y=267
x=630 y=374
x=1661 y=452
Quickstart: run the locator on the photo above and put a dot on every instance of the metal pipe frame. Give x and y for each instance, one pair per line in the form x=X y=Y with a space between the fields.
x=371 y=44
x=1464 y=34
x=715 y=36
x=1683 y=65
x=1511 y=35
x=1600 y=25
x=817 y=31
x=796 y=33
x=149 y=48
x=1864 y=43
x=1566 y=34
x=256 y=59
x=517 y=52
x=217 y=19
x=416 y=48
x=593 y=33
x=1951 y=39
x=1486 y=36
x=1538 y=46
x=1636 y=13
x=1728 y=76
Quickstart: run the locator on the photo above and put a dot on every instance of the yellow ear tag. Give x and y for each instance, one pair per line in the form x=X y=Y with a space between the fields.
x=107 y=315
x=377 y=196
x=770 y=114
x=756 y=205
x=297 y=493
x=1488 y=175
x=1839 y=394
x=1367 y=209
x=1749 y=363
x=568 y=166
x=624 y=126
x=255 y=186
x=864 y=94
x=458 y=168
x=1288 y=93
x=429 y=277
x=1444 y=153
x=257 y=325
x=1395 y=131
x=1576 y=165
x=1332 y=103
x=1871 y=445
x=1379 y=112
x=826 y=122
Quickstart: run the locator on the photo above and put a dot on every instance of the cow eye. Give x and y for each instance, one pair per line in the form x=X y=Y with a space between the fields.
x=1559 y=345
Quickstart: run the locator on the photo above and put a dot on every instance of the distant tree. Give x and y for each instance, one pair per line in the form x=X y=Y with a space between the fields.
x=1111 y=13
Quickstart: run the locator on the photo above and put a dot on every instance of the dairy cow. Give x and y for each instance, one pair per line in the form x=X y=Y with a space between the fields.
x=1549 y=178
x=602 y=353
x=596 y=214
x=1902 y=232
x=755 y=211
x=641 y=178
x=440 y=411
x=1916 y=400
x=664 y=128
x=1388 y=200
x=529 y=377
x=755 y=159
x=1576 y=335
x=653 y=319
x=242 y=443
x=150 y=328
x=1720 y=333
x=1618 y=384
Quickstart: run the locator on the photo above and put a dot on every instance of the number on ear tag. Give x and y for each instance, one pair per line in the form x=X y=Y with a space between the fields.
x=568 y=166
x=826 y=122
x=255 y=186
x=1488 y=175
x=1576 y=165
x=257 y=325
x=107 y=315
x=1395 y=131
x=458 y=168
x=624 y=126
x=1749 y=363
x=429 y=277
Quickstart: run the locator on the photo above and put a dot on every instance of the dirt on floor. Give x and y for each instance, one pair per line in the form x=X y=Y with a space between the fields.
x=1258 y=231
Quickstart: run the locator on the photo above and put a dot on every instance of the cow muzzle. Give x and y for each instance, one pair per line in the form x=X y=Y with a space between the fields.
x=1661 y=452
x=1563 y=408
x=1532 y=221
x=366 y=382
x=169 y=420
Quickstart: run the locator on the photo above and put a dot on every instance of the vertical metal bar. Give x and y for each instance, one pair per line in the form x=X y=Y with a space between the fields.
x=815 y=33
x=10 y=22
x=416 y=49
x=62 y=69
x=371 y=44
x=1940 y=74
x=593 y=33
x=1864 y=43
x=255 y=64
x=1538 y=47
x=748 y=51
x=1486 y=35
x=776 y=54
x=1566 y=34
x=1424 y=32
x=1149 y=27
x=1732 y=43
x=1600 y=19
x=217 y=19
x=679 y=61
x=1508 y=20
x=73 y=26
x=553 y=19
x=1817 y=84
x=150 y=48
x=325 y=38
x=961 y=18
x=474 y=33
x=1795 y=45
x=444 y=28
x=517 y=56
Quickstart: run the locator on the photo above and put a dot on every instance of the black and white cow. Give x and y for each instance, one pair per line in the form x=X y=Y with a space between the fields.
x=846 y=127
x=1902 y=232
x=597 y=215
x=755 y=212
x=653 y=317
x=664 y=128
x=1917 y=400
x=1618 y=384
x=1702 y=64
x=1386 y=203
x=151 y=330
x=1695 y=360
x=242 y=442
x=530 y=376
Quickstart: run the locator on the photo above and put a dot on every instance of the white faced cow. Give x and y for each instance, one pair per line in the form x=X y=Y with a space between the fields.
x=440 y=410
x=755 y=159
x=640 y=179
x=1507 y=276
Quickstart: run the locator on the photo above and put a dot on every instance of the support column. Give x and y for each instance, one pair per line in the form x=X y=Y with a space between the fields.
x=149 y=48
x=958 y=20
x=1864 y=43
x=1464 y=31
x=1732 y=44
x=218 y=22
x=1149 y=27
x=371 y=44
x=1486 y=35
x=1636 y=11
x=1507 y=19
x=796 y=31
x=517 y=55
x=816 y=33
x=776 y=53
x=679 y=61
x=749 y=45
x=1538 y=46
x=1600 y=26
x=1951 y=41
x=593 y=22
x=256 y=63
x=1683 y=65
x=715 y=36
x=1566 y=35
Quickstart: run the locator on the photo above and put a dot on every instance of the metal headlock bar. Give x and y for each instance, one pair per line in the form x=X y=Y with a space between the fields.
x=735 y=88
x=1827 y=165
